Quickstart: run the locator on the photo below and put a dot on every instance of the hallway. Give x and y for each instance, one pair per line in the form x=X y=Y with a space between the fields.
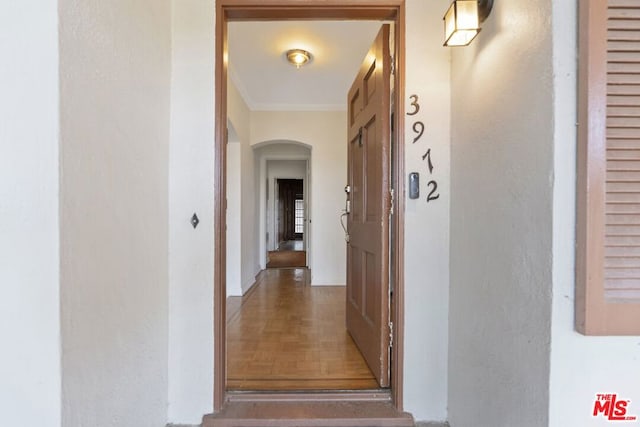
x=287 y=335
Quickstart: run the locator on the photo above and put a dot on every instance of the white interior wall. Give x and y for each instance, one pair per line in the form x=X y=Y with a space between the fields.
x=240 y=115
x=501 y=220
x=234 y=225
x=191 y=190
x=581 y=366
x=250 y=265
x=30 y=373
x=325 y=132
x=115 y=63
x=280 y=169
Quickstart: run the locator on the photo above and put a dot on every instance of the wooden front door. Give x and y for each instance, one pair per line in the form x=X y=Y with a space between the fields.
x=369 y=196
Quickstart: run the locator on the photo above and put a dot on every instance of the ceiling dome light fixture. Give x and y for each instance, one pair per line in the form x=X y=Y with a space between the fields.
x=298 y=57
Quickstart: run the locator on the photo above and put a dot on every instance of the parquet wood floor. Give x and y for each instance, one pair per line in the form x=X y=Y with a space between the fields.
x=288 y=335
x=286 y=259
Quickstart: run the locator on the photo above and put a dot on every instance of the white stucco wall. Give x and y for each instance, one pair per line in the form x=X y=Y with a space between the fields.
x=325 y=132
x=581 y=366
x=104 y=104
x=501 y=220
x=114 y=153
x=191 y=190
x=427 y=224
x=30 y=392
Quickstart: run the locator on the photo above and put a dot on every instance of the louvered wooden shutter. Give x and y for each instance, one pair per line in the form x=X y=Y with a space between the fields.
x=607 y=298
x=622 y=229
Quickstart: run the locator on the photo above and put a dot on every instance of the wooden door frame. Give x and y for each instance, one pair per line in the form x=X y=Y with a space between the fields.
x=256 y=10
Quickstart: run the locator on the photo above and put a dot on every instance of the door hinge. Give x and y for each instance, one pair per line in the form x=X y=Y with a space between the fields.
x=392 y=201
x=390 y=334
x=393 y=65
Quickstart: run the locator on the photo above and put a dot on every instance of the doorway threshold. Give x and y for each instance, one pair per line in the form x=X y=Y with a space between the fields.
x=382 y=395
x=308 y=409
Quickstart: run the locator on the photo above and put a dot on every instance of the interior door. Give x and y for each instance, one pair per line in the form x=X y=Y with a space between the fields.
x=369 y=208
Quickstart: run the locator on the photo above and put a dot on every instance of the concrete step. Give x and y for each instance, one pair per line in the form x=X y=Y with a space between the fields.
x=314 y=414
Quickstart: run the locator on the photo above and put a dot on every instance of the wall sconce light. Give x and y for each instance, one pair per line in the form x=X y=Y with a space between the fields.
x=462 y=21
x=298 y=57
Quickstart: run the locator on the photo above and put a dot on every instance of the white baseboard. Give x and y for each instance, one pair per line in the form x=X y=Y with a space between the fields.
x=327 y=284
x=247 y=286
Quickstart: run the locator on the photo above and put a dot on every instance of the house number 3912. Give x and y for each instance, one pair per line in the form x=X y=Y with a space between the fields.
x=418 y=128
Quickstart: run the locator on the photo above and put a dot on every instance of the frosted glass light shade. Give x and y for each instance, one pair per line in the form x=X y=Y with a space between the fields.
x=461 y=23
x=298 y=57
